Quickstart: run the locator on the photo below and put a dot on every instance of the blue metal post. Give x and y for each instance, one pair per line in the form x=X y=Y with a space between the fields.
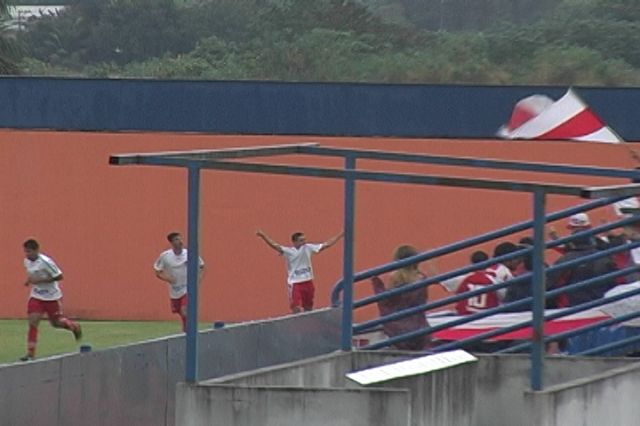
x=193 y=270
x=538 y=284
x=347 y=263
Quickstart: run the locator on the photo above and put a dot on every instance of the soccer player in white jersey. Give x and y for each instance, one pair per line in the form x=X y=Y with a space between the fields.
x=43 y=276
x=171 y=267
x=299 y=268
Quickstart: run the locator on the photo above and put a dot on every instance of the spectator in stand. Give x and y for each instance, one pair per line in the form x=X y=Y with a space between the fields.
x=525 y=242
x=498 y=273
x=623 y=259
x=624 y=209
x=452 y=284
x=577 y=223
x=398 y=278
x=581 y=247
x=522 y=289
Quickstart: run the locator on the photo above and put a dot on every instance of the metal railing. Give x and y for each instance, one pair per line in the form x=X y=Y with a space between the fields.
x=470 y=242
x=370 y=325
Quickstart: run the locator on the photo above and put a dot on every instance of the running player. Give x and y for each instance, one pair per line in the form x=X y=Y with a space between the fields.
x=43 y=276
x=171 y=267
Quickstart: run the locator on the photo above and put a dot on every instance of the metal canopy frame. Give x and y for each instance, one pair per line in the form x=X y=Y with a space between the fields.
x=228 y=159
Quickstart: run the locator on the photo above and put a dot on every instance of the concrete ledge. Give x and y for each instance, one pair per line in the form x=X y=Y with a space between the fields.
x=605 y=398
x=504 y=379
x=227 y=405
x=442 y=397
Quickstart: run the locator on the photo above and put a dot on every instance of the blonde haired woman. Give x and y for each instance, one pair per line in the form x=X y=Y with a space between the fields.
x=398 y=278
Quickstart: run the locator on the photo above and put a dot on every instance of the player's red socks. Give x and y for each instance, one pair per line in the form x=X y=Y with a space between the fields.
x=67 y=324
x=32 y=339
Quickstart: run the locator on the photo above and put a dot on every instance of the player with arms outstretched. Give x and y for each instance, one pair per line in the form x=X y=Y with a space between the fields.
x=299 y=268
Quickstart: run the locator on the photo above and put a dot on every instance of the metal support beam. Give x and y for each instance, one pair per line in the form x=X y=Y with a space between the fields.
x=485 y=163
x=538 y=283
x=372 y=176
x=193 y=271
x=212 y=154
x=347 y=264
x=595 y=192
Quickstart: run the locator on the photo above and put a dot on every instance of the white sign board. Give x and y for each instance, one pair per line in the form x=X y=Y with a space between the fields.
x=412 y=367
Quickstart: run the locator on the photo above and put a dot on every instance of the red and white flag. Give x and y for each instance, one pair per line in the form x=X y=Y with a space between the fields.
x=569 y=118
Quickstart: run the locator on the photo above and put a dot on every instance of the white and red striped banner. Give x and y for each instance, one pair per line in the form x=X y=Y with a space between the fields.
x=495 y=322
x=569 y=118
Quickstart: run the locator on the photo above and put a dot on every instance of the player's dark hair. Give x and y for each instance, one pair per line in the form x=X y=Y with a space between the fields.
x=172 y=235
x=526 y=241
x=504 y=248
x=296 y=235
x=479 y=256
x=31 y=244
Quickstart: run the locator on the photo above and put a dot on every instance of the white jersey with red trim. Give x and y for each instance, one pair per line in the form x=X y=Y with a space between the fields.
x=175 y=265
x=44 y=267
x=298 y=260
x=499 y=273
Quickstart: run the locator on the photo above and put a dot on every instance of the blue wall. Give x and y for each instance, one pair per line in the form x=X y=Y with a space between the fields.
x=286 y=108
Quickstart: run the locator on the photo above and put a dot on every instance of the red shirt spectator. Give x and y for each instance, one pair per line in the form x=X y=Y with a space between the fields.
x=495 y=274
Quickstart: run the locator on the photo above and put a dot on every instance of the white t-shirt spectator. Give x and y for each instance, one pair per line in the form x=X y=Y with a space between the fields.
x=627 y=203
x=298 y=261
x=175 y=265
x=44 y=267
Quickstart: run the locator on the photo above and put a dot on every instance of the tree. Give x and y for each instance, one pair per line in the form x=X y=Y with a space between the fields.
x=115 y=31
x=9 y=52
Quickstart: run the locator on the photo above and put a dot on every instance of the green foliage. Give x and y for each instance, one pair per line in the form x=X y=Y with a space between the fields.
x=410 y=41
x=118 y=31
x=567 y=65
x=612 y=39
x=10 y=52
x=623 y=10
x=460 y=15
x=39 y=2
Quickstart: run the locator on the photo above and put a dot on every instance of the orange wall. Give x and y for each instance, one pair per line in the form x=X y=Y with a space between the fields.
x=105 y=225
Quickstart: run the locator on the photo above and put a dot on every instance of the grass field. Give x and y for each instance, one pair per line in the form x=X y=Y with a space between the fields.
x=98 y=334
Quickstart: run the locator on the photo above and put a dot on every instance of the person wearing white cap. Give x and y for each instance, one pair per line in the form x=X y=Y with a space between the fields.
x=577 y=223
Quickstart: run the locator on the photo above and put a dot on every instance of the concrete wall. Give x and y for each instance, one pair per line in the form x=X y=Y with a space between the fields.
x=320 y=371
x=290 y=406
x=503 y=380
x=609 y=398
x=494 y=392
x=249 y=107
x=445 y=397
x=135 y=384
